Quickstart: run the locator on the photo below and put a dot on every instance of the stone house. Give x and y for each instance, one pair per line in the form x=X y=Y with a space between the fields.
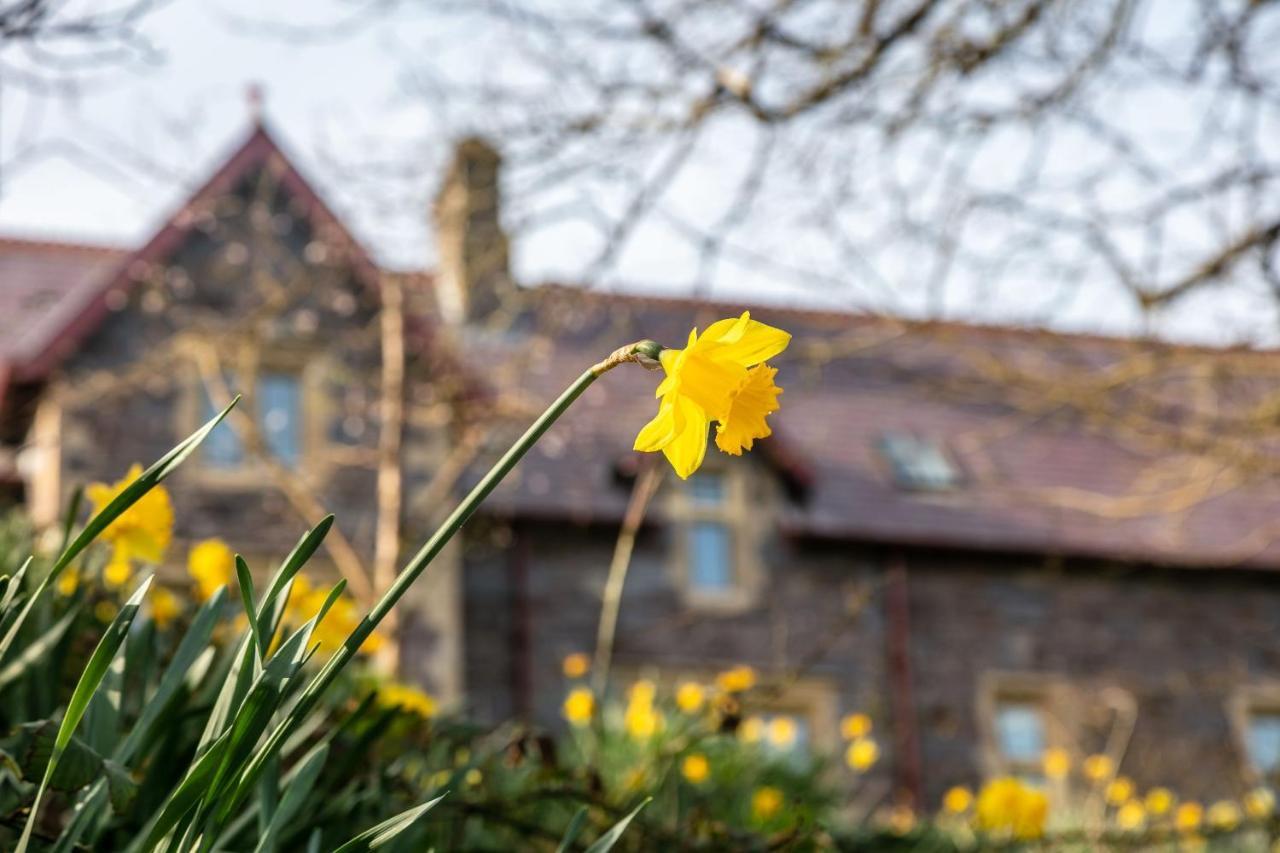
x=992 y=540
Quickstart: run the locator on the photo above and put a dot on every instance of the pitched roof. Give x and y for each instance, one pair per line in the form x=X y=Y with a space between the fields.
x=1076 y=445
x=80 y=283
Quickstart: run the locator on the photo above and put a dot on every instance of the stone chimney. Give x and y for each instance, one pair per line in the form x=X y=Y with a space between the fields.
x=473 y=276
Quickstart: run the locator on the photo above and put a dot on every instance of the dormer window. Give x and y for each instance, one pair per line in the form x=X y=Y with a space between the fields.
x=918 y=464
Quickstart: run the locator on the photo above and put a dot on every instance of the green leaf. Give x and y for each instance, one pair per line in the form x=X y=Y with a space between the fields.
x=34 y=743
x=575 y=829
x=250 y=608
x=130 y=495
x=38 y=649
x=90 y=679
x=605 y=842
x=376 y=836
x=295 y=797
x=120 y=786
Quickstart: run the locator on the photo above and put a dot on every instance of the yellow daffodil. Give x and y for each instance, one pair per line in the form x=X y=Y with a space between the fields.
x=142 y=532
x=1188 y=817
x=1158 y=801
x=766 y=802
x=719 y=376
x=854 y=726
x=1131 y=816
x=1259 y=803
x=641 y=721
x=737 y=680
x=690 y=697
x=576 y=665
x=406 y=698
x=695 y=768
x=1098 y=768
x=579 y=706
x=862 y=754
x=1010 y=806
x=751 y=730
x=782 y=732
x=68 y=582
x=211 y=564
x=165 y=607
x=1119 y=791
x=1223 y=815
x=473 y=777
x=1056 y=762
x=901 y=819
x=957 y=800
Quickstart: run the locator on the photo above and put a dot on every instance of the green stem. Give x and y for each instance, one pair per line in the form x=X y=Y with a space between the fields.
x=411 y=573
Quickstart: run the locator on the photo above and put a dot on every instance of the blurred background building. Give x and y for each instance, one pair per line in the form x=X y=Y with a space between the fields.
x=995 y=540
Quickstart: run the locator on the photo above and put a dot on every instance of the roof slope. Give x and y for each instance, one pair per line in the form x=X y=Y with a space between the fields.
x=1072 y=445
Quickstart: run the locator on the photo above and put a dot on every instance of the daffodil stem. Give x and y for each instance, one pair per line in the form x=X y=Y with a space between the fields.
x=433 y=546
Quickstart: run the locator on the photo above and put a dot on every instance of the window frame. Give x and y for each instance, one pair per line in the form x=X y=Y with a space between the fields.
x=303 y=364
x=1243 y=705
x=1050 y=694
x=734 y=511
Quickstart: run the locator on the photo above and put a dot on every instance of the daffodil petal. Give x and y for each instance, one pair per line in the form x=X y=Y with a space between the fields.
x=746 y=422
x=688 y=447
x=659 y=432
x=744 y=341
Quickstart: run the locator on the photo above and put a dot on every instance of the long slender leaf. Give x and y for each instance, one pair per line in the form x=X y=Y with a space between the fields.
x=605 y=842
x=130 y=495
x=90 y=679
x=376 y=836
x=575 y=829
x=245 y=579
x=37 y=649
x=295 y=796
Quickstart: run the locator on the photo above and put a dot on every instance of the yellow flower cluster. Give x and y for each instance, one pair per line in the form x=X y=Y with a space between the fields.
x=863 y=752
x=575 y=665
x=766 y=803
x=740 y=679
x=641 y=719
x=411 y=699
x=1010 y=807
x=140 y=533
x=695 y=768
x=719 y=376
x=305 y=601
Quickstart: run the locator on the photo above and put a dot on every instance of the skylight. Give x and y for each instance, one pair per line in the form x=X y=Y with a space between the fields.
x=918 y=464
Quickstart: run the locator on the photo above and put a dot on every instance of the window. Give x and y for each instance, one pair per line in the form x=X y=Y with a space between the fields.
x=710 y=549
x=918 y=464
x=277 y=407
x=1262 y=741
x=1020 y=733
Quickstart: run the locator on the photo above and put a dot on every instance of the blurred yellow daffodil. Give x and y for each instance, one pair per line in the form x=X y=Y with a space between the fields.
x=1223 y=815
x=211 y=564
x=766 y=802
x=957 y=800
x=719 y=376
x=165 y=607
x=690 y=697
x=1131 y=816
x=1098 y=768
x=695 y=768
x=1188 y=817
x=782 y=732
x=575 y=665
x=407 y=698
x=1056 y=763
x=1158 y=801
x=1119 y=791
x=579 y=706
x=862 y=754
x=736 y=680
x=1259 y=803
x=142 y=532
x=1010 y=806
x=854 y=726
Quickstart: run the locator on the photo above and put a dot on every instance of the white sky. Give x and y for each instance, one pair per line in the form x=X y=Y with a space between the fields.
x=109 y=163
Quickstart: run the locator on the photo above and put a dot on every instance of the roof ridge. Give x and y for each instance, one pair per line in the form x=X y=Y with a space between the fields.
x=919 y=324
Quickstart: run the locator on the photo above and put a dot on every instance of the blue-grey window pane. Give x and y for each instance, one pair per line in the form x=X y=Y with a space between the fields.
x=279 y=411
x=710 y=556
x=918 y=463
x=1264 y=742
x=706 y=489
x=1020 y=732
x=222 y=449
